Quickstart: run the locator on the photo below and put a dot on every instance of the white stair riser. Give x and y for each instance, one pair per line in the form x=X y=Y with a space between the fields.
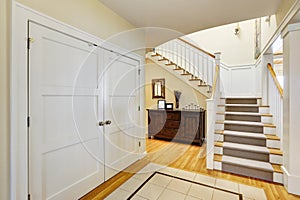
x=276 y=159
x=221 y=109
x=270 y=130
x=179 y=72
x=273 y=144
x=218 y=150
x=219 y=137
x=222 y=101
x=218 y=165
x=163 y=62
x=220 y=117
x=194 y=83
x=267 y=120
x=264 y=110
x=219 y=126
x=259 y=102
x=278 y=177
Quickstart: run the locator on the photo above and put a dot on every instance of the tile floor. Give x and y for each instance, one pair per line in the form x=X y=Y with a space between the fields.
x=164 y=183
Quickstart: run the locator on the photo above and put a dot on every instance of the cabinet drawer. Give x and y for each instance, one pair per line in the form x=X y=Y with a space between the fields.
x=172 y=124
x=171 y=133
x=174 y=116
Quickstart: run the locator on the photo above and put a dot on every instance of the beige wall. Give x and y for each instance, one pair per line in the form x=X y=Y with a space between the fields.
x=93 y=17
x=4 y=98
x=88 y=15
x=283 y=9
x=189 y=95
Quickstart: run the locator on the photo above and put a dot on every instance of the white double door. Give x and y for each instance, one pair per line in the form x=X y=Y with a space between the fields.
x=72 y=86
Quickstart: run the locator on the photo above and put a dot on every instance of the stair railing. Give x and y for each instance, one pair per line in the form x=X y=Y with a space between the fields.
x=211 y=107
x=275 y=93
x=191 y=58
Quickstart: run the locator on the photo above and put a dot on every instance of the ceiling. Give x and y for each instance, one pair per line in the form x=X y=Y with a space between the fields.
x=188 y=16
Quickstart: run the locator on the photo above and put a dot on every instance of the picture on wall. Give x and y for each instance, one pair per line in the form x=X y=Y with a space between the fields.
x=158 y=88
x=257 y=38
x=161 y=104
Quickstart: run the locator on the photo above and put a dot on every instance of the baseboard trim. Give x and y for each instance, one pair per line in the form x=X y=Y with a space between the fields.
x=291 y=182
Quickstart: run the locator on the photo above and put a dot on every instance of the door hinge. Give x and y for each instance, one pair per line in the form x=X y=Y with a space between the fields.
x=28 y=121
x=139 y=108
x=139 y=71
x=28 y=197
x=29 y=40
x=28 y=43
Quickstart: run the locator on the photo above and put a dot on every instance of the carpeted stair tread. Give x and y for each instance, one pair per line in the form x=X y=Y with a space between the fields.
x=265 y=166
x=242 y=105
x=244 y=134
x=246 y=147
x=243 y=122
x=247 y=123
x=244 y=113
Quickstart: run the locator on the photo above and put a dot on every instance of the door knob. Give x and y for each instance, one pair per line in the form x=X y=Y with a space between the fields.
x=107 y=122
x=101 y=123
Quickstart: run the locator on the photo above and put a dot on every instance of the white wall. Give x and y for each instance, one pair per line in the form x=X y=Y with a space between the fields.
x=236 y=49
x=240 y=74
x=267 y=29
x=238 y=81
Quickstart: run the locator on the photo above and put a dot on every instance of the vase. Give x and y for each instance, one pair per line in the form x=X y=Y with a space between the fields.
x=177 y=104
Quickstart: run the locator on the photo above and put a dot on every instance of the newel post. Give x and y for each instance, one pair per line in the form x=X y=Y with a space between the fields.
x=218 y=63
x=218 y=58
x=211 y=107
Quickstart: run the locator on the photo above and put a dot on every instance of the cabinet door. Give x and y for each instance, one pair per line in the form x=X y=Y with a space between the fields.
x=156 y=121
x=190 y=122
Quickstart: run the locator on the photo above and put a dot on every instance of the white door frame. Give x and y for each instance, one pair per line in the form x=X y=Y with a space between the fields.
x=18 y=86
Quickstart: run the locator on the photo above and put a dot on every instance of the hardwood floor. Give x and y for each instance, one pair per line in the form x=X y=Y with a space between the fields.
x=186 y=157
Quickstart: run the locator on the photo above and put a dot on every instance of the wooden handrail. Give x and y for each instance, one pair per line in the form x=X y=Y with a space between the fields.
x=214 y=86
x=273 y=74
x=198 y=48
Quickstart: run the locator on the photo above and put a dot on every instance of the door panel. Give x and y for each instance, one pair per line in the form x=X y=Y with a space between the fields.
x=73 y=86
x=65 y=142
x=122 y=101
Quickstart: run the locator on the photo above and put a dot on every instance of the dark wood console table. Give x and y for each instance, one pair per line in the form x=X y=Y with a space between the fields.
x=177 y=125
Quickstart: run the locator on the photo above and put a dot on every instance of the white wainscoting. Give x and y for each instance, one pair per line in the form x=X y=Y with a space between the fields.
x=239 y=80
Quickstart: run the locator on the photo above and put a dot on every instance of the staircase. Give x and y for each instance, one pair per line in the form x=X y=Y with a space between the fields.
x=245 y=140
x=181 y=73
x=186 y=61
